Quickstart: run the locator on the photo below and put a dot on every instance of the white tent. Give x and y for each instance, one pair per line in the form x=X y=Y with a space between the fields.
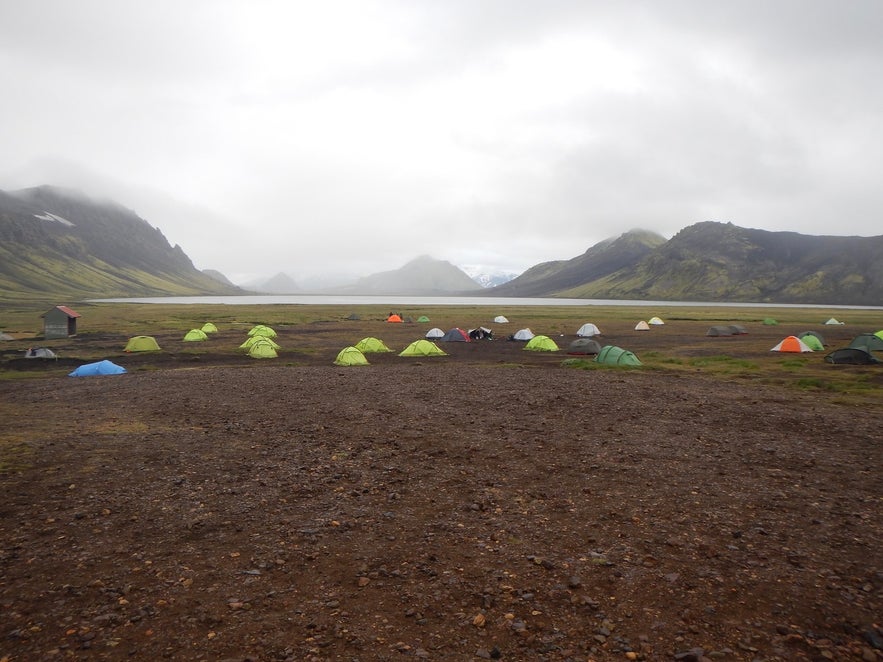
x=434 y=333
x=499 y=319
x=833 y=321
x=588 y=330
x=656 y=321
x=642 y=326
x=523 y=334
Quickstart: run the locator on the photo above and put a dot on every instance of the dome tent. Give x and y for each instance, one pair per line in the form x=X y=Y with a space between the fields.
x=262 y=349
x=209 y=327
x=500 y=319
x=142 y=344
x=523 y=334
x=434 y=334
x=588 y=330
x=792 y=344
x=584 y=346
x=422 y=348
x=541 y=344
x=655 y=321
x=195 y=335
x=249 y=342
x=455 y=335
x=642 y=326
x=812 y=342
x=262 y=330
x=423 y=319
x=371 y=345
x=350 y=356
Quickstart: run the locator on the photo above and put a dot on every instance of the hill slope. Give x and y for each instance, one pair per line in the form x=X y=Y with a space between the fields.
x=59 y=242
x=423 y=276
x=722 y=262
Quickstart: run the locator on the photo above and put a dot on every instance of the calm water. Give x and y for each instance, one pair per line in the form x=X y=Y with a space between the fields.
x=397 y=301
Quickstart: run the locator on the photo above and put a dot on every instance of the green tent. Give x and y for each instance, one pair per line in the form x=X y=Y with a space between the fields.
x=371 y=345
x=142 y=344
x=868 y=341
x=209 y=327
x=541 y=344
x=249 y=342
x=422 y=348
x=195 y=335
x=262 y=349
x=879 y=334
x=769 y=321
x=423 y=318
x=262 y=330
x=350 y=356
x=613 y=355
x=812 y=342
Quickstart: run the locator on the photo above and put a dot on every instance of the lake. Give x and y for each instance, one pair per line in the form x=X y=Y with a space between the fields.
x=398 y=301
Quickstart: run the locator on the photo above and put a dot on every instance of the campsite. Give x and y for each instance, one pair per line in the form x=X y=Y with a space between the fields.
x=715 y=500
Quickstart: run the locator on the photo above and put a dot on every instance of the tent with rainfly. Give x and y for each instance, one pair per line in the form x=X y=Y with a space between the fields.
x=833 y=321
x=262 y=349
x=262 y=330
x=500 y=319
x=99 y=368
x=395 y=319
x=655 y=321
x=523 y=334
x=583 y=346
x=371 y=345
x=209 y=327
x=422 y=348
x=541 y=344
x=142 y=344
x=792 y=344
x=350 y=356
x=869 y=341
x=434 y=334
x=249 y=342
x=455 y=335
x=195 y=335
x=642 y=326
x=852 y=356
x=812 y=342
x=588 y=330
x=423 y=319
x=613 y=355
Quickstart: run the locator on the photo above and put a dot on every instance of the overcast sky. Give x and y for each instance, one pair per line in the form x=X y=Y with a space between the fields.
x=328 y=136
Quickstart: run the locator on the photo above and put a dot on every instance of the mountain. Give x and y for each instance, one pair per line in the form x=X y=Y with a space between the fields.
x=602 y=259
x=60 y=242
x=487 y=276
x=423 y=276
x=281 y=283
x=722 y=262
x=218 y=276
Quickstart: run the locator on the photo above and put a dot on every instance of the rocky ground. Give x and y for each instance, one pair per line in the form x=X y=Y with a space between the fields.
x=438 y=509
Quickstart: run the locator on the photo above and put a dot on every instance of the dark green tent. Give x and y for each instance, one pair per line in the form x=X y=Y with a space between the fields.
x=613 y=355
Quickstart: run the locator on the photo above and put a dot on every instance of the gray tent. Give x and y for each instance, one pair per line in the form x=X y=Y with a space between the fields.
x=851 y=356
x=40 y=353
x=720 y=331
x=584 y=346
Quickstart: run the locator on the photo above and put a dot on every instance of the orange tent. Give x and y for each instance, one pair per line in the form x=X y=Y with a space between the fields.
x=393 y=318
x=792 y=344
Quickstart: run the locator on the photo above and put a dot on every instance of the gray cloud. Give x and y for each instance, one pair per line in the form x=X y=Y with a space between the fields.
x=352 y=136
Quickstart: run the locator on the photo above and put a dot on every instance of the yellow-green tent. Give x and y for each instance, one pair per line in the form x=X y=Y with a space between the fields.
x=195 y=335
x=541 y=344
x=142 y=344
x=350 y=356
x=371 y=345
x=422 y=348
x=262 y=350
x=209 y=327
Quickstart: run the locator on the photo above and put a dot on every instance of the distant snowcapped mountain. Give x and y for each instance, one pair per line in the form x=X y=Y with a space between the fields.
x=487 y=276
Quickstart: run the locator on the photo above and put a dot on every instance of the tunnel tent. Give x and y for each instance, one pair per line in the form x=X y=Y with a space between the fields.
x=142 y=344
x=852 y=356
x=613 y=355
x=98 y=368
x=195 y=335
x=350 y=356
x=588 y=330
x=868 y=341
x=541 y=344
x=584 y=346
x=719 y=330
x=422 y=348
x=371 y=345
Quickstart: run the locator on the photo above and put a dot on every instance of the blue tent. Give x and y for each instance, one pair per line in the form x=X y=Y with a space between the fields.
x=101 y=368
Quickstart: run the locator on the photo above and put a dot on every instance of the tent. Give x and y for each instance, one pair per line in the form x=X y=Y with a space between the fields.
x=249 y=342
x=613 y=355
x=716 y=331
x=792 y=344
x=371 y=345
x=422 y=348
x=350 y=356
x=209 y=327
x=541 y=344
x=879 y=334
x=195 y=335
x=588 y=330
x=142 y=344
x=353 y=317
x=868 y=341
x=738 y=329
x=584 y=346
x=100 y=368
x=522 y=334
x=500 y=319
x=642 y=326
x=834 y=321
x=455 y=335
x=394 y=318
x=655 y=321
x=852 y=356
x=818 y=335
x=423 y=319
x=5 y=336
x=40 y=353
x=434 y=334
x=481 y=333
x=262 y=330
x=262 y=349
x=812 y=342
x=769 y=321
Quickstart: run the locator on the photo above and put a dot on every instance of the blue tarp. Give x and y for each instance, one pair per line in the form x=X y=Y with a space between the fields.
x=101 y=368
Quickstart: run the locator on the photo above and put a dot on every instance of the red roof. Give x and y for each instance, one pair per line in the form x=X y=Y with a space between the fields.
x=67 y=311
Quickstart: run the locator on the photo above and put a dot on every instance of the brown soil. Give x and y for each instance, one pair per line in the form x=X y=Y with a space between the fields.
x=485 y=505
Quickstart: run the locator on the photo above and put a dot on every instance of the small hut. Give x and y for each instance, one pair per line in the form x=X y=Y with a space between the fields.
x=60 y=322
